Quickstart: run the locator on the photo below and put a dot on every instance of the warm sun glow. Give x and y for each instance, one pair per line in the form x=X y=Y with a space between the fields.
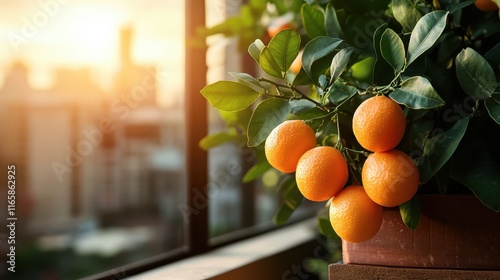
x=86 y=33
x=92 y=34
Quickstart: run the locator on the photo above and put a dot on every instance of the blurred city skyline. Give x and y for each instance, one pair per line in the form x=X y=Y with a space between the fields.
x=49 y=35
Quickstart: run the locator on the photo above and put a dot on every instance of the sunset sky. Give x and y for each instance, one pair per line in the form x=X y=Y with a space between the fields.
x=48 y=34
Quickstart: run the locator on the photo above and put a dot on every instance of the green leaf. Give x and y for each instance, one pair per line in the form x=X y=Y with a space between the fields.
x=316 y=50
x=324 y=224
x=301 y=106
x=268 y=63
x=493 y=56
x=392 y=49
x=255 y=171
x=268 y=115
x=216 y=139
x=255 y=49
x=339 y=63
x=410 y=212
x=382 y=72
x=475 y=74
x=313 y=20
x=493 y=106
x=291 y=201
x=302 y=78
x=426 y=33
x=248 y=80
x=417 y=93
x=480 y=174
x=453 y=8
x=340 y=92
x=406 y=13
x=332 y=25
x=440 y=148
x=229 y=95
x=285 y=47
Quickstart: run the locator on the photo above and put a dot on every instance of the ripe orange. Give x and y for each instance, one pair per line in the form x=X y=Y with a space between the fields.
x=321 y=173
x=287 y=143
x=379 y=124
x=390 y=178
x=486 y=5
x=354 y=216
x=296 y=64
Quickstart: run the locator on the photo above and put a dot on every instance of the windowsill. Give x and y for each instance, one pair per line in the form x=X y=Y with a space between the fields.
x=235 y=258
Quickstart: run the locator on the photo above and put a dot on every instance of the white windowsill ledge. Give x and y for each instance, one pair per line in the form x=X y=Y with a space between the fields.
x=234 y=256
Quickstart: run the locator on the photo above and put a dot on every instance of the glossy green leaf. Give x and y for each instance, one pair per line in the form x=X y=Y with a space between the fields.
x=440 y=148
x=406 y=13
x=410 y=212
x=285 y=47
x=255 y=171
x=268 y=63
x=475 y=74
x=316 y=50
x=291 y=200
x=339 y=63
x=382 y=73
x=332 y=25
x=313 y=20
x=248 y=80
x=426 y=33
x=493 y=106
x=417 y=93
x=268 y=115
x=340 y=92
x=392 y=49
x=216 y=139
x=480 y=174
x=255 y=49
x=302 y=105
x=229 y=95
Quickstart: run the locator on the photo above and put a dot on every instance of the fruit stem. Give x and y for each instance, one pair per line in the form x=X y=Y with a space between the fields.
x=366 y=154
x=345 y=101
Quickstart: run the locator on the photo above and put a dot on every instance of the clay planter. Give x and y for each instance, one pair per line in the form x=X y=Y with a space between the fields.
x=454 y=232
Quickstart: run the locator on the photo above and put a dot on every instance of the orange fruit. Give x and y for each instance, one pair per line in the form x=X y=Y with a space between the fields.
x=354 y=216
x=321 y=173
x=390 y=178
x=287 y=143
x=296 y=64
x=379 y=124
x=276 y=26
x=486 y=5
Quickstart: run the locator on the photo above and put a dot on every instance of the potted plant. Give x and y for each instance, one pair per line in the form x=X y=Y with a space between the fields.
x=396 y=107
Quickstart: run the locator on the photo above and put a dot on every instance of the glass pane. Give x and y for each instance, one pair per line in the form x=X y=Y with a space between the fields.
x=91 y=108
x=234 y=205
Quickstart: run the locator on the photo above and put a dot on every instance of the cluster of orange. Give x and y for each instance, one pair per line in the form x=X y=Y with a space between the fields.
x=389 y=176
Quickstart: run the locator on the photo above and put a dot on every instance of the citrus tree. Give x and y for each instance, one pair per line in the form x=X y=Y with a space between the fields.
x=393 y=98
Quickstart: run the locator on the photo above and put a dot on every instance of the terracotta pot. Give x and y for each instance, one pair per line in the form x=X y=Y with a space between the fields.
x=454 y=232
